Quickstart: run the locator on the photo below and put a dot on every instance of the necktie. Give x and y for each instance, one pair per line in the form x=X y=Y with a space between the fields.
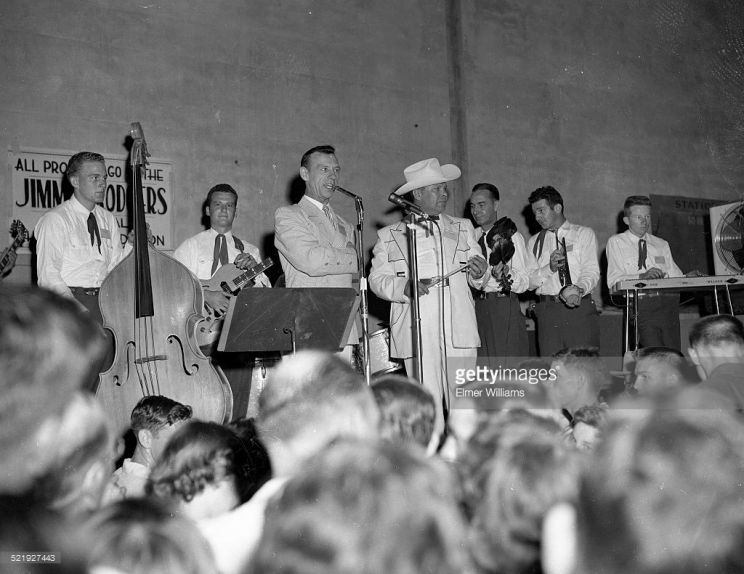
x=482 y=243
x=642 y=253
x=95 y=233
x=329 y=214
x=220 y=252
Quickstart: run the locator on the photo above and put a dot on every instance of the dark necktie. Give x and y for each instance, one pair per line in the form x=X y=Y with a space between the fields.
x=95 y=233
x=642 y=253
x=220 y=252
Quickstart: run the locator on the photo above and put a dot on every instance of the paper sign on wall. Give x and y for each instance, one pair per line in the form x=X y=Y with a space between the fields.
x=39 y=185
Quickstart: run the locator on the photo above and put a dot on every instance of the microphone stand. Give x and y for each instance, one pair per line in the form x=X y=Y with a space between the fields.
x=415 y=309
x=363 y=296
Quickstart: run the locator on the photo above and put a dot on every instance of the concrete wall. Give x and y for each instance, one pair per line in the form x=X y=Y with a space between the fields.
x=600 y=99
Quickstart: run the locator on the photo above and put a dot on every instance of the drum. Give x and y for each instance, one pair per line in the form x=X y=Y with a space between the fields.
x=379 y=355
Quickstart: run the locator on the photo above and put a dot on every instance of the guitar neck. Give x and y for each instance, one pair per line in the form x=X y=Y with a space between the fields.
x=6 y=258
x=244 y=278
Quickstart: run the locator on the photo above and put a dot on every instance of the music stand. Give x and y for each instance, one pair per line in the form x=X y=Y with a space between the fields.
x=261 y=320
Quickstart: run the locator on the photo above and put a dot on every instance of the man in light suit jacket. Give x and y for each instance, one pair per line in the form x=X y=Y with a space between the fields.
x=450 y=339
x=316 y=246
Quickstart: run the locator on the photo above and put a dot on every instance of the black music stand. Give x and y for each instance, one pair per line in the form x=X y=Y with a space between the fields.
x=261 y=320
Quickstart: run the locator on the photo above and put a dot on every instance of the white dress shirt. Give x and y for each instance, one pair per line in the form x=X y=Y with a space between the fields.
x=520 y=266
x=622 y=257
x=197 y=253
x=65 y=256
x=581 y=252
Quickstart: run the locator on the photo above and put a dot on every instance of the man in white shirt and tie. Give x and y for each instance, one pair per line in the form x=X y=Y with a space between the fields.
x=637 y=254
x=206 y=252
x=567 y=272
x=78 y=242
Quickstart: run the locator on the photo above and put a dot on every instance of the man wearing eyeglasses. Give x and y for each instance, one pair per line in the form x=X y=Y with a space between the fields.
x=78 y=242
x=637 y=254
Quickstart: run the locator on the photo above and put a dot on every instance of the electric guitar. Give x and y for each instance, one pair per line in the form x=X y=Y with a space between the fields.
x=230 y=280
x=20 y=235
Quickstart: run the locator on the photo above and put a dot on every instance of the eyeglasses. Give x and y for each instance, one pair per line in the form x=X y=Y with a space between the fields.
x=96 y=178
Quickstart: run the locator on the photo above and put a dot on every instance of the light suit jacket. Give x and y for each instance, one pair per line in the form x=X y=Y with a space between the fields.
x=389 y=276
x=313 y=254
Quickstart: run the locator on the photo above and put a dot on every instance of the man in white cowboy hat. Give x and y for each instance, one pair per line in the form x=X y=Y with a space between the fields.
x=450 y=339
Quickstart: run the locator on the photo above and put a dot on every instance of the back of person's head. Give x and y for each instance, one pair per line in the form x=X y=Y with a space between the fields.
x=145 y=536
x=155 y=412
x=585 y=363
x=527 y=476
x=473 y=462
x=258 y=465
x=664 y=494
x=80 y=453
x=365 y=508
x=310 y=399
x=717 y=330
x=26 y=528
x=201 y=458
x=48 y=349
x=407 y=410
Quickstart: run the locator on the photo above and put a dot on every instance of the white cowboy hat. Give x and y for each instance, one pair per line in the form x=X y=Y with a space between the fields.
x=427 y=172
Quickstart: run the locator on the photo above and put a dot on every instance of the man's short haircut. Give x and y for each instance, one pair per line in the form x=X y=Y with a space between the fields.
x=635 y=200
x=591 y=415
x=325 y=149
x=407 y=410
x=222 y=188
x=715 y=330
x=76 y=161
x=83 y=439
x=587 y=360
x=140 y=536
x=197 y=455
x=549 y=194
x=663 y=494
x=661 y=353
x=528 y=475
x=489 y=187
x=48 y=351
x=366 y=508
x=315 y=396
x=493 y=427
x=156 y=412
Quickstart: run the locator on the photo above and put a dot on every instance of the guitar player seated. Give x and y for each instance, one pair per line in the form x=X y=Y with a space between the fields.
x=637 y=254
x=206 y=252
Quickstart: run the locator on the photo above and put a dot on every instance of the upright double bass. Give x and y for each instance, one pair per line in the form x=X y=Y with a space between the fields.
x=151 y=303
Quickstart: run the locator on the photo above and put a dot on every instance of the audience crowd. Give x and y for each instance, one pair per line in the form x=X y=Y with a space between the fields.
x=601 y=475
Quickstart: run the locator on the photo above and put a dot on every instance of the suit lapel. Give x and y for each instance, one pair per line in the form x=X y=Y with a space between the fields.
x=323 y=224
x=398 y=233
x=451 y=235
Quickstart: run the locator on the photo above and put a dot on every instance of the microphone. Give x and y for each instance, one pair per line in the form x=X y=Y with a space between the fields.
x=347 y=192
x=407 y=206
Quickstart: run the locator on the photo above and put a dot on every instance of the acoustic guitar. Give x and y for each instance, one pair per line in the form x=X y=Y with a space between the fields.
x=20 y=234
x=230 y=280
